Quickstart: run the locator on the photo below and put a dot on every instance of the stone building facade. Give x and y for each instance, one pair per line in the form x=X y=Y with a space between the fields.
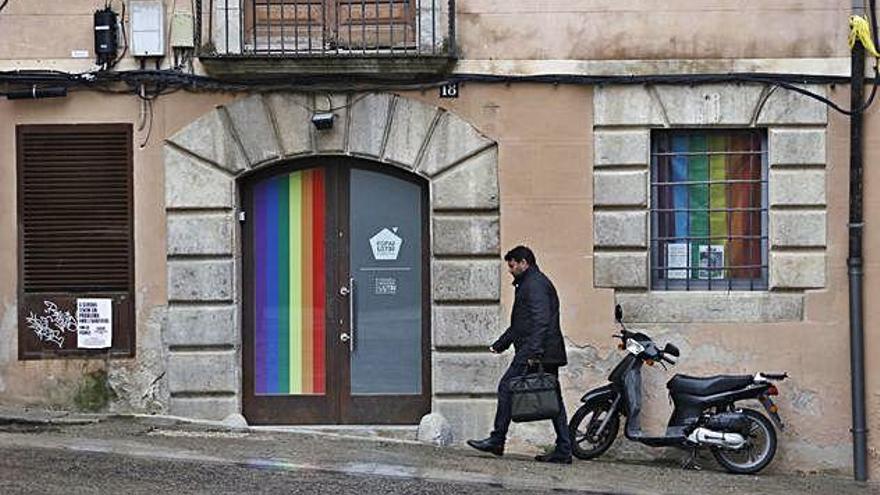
x=531 y=150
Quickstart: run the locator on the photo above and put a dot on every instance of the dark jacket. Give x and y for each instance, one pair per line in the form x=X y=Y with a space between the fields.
x=534 y=321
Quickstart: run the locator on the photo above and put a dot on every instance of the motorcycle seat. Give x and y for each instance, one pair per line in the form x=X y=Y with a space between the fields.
x=708 y=385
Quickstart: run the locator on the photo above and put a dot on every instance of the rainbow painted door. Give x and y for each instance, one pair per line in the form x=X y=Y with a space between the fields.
x=335 y=323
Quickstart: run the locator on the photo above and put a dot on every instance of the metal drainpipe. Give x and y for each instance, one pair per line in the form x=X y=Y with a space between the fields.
x=854 y=261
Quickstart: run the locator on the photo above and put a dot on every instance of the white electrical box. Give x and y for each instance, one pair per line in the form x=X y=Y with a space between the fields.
x=181 y=30
x=147 y=28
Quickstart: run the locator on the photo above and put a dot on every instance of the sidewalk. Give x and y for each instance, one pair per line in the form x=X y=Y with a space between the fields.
x=164 y=437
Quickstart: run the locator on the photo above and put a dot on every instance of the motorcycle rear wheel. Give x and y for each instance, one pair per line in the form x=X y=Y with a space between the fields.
x=585 y=423
x=759 y=449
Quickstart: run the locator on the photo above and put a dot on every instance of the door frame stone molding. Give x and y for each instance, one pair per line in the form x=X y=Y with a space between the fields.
x=204 y=162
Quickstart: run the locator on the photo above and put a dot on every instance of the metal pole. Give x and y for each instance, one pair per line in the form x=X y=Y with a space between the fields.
x=453 y=46
x=197 y=31
x=855 y=265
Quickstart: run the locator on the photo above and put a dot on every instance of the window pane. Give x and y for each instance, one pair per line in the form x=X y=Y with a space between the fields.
x=718 y=226
x=746 y=224
x=708 y=211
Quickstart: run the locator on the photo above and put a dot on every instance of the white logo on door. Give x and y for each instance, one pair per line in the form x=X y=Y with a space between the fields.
x=386 y=245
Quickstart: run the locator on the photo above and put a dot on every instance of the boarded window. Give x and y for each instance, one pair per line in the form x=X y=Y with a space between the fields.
x=709 y=210
x=75 y=240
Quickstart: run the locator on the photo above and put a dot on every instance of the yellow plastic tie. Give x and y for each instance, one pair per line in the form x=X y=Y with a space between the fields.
x=861 y=30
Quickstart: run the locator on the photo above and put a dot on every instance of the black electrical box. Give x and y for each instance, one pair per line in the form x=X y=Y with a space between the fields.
x=106 y=36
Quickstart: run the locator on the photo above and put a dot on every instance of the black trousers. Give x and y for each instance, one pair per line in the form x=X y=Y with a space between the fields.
x=503 y=410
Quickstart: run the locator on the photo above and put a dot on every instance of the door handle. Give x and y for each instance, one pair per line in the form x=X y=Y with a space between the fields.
x=344 y=337
x=351 y=325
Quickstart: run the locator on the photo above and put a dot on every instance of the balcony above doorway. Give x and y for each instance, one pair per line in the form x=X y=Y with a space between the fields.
x=387 y=39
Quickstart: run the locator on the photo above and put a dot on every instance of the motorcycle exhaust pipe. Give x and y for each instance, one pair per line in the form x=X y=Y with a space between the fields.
x=705 y=436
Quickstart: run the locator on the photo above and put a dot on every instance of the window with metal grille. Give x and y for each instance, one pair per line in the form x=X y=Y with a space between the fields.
x=321 y=27
x=709 y=210
x=75 y=239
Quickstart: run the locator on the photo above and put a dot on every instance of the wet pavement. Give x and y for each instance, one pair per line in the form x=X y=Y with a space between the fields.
x=70 y=454
x=59 y=472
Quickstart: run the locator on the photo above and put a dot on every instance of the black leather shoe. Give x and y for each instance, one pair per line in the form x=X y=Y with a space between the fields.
x=554 y=457
x=489 y=445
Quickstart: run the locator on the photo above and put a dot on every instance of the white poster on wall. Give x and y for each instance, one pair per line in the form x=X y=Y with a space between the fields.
x=677 y=257
x=711 y=256
x=94 y=318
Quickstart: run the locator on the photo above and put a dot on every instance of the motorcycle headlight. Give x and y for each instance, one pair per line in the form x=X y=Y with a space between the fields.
x=634 y=347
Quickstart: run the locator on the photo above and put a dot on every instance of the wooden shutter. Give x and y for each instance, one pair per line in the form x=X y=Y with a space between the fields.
x=287 y=25
x=75 y=231
x=376 y=24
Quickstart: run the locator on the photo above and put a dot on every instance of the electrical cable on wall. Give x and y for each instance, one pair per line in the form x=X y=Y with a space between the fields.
x=2 y=5
x=167 y=81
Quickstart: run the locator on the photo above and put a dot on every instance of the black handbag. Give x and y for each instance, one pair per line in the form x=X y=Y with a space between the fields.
x=535 y=396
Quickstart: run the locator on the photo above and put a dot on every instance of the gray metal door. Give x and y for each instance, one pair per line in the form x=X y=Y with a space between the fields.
x=388 y=348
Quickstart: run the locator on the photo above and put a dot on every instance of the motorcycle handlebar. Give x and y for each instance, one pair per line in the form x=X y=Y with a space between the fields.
x=626 y=334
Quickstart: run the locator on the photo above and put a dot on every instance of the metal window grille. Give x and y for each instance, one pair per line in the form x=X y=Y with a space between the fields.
x=709 y=210
x=336 y=27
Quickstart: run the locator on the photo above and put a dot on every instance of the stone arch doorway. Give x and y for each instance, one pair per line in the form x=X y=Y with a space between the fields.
x=261 y=134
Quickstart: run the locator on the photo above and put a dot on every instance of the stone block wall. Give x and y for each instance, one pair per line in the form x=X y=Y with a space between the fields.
x=624 y=117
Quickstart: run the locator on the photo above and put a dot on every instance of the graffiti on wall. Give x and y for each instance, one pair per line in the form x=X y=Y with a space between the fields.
x=53 y=324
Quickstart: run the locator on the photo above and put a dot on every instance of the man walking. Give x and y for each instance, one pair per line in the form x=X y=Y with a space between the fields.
x=537 y=339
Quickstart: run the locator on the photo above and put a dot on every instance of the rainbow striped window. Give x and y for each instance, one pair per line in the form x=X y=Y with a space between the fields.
x=289 y=284
x=709 y=210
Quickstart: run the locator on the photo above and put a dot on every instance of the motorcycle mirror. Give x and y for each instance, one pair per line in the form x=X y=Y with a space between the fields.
x=671 y=349
x=618 y=313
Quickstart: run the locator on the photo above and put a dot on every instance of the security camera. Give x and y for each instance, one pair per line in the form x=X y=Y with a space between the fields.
x=323 y=120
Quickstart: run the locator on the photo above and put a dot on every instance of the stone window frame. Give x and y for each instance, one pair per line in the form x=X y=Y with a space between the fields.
x=623 y=117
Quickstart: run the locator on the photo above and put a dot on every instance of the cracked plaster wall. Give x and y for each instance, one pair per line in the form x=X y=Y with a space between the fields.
x=138 y=383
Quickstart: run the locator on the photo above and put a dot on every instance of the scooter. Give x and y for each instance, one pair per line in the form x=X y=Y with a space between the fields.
x=705 y=415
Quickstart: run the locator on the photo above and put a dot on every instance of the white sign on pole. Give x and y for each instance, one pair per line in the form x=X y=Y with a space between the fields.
x=94 y=329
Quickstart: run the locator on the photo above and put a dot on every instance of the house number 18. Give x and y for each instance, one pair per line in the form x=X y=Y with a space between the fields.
x=449 y=90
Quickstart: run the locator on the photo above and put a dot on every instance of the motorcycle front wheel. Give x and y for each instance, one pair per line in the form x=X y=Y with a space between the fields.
x=585 y=444
x=758 y=451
